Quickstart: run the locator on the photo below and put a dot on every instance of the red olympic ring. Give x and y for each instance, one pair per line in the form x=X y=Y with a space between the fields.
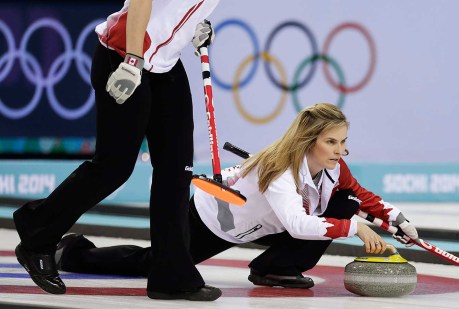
x=371 y=45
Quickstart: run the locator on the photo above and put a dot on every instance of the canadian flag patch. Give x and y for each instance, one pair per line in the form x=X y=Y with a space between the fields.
x=133 y=61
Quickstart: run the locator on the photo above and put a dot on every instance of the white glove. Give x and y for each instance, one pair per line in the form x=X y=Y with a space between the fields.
x=203 y=35
x=406 y=231
x=122 y=83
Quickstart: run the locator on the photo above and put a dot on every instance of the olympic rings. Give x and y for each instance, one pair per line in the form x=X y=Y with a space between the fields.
x=236 y=85
x=269 y=58
x=57 y=72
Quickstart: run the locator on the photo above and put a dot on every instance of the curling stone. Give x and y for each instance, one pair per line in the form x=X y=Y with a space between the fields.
x=390 y=276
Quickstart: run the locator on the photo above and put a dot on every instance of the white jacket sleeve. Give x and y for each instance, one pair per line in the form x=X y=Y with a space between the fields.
x=288 y=207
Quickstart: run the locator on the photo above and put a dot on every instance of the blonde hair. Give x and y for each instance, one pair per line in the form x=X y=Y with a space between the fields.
x=290 y=149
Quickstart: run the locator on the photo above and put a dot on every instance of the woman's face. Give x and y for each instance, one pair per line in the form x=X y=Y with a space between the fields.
x=327 y=151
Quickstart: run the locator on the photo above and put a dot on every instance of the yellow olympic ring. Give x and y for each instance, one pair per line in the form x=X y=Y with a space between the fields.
x=236 y=85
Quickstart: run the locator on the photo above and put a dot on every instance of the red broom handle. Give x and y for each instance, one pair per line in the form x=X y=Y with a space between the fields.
x=209 y=99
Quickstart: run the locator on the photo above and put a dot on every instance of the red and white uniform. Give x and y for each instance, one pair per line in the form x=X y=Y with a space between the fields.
x=170 y=28
x=280 y=207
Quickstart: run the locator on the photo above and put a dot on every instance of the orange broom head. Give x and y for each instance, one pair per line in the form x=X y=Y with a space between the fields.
x=219 y=190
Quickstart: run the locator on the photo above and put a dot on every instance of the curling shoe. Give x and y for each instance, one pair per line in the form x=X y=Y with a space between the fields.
x=204 y=293
x=299 y=281
x=42 y=270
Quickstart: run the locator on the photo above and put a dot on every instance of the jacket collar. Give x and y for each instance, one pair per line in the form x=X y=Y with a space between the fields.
x=306 y=177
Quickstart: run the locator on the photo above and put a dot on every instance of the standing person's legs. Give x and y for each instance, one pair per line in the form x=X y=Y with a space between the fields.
x=288 y=256
x=120 y=130
x=170 y=137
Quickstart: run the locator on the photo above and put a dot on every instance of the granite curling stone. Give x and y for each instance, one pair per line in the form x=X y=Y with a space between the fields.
x=390 y=276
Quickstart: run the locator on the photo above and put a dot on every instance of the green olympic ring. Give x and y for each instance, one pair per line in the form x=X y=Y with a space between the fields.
x=311 y=60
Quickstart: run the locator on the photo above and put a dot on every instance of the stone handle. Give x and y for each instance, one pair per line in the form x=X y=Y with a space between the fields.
x=392 y=249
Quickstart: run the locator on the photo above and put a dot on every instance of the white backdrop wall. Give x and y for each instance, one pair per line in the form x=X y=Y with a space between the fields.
x=398 y=60
x=405 y=112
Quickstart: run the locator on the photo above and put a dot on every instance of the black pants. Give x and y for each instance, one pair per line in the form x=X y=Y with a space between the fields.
x=160 y=109
x=291 y=256
x=285 y=255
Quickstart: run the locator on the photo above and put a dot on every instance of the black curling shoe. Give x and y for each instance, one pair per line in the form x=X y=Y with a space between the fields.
x=42 y=270
x=299 y=282
x=205 y=293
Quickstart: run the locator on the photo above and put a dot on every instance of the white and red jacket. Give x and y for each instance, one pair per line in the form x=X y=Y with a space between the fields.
x=171 y=28
x=280 y=207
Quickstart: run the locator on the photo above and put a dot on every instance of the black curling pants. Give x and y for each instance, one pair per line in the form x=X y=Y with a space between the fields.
x=290 y=256
x=160 y=109
x=285 y=255
x=82 y=256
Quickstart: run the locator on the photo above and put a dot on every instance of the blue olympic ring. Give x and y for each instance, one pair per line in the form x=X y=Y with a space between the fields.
x=57 y=72
x=256 y=51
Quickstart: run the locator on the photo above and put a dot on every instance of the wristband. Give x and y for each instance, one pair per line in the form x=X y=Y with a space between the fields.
x=134 y=60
